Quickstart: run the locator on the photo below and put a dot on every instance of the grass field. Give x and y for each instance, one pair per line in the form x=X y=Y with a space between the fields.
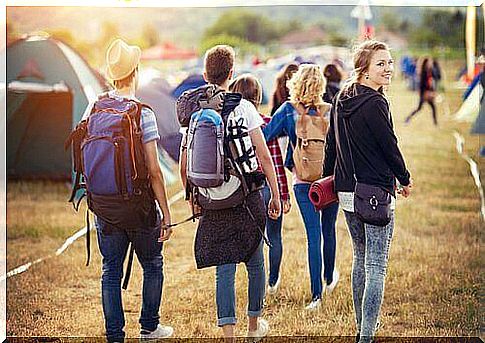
x=434 y=284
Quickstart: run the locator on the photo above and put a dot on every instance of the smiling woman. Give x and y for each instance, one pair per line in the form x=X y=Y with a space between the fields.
x=367 y=161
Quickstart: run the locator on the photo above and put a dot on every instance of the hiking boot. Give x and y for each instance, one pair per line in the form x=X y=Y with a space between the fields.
x=160 y=332
x=260 y=332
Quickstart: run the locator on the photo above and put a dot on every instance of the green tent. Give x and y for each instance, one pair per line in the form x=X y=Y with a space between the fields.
x=48 y=89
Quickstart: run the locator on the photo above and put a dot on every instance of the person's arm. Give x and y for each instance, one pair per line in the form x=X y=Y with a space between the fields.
x=377 y=118
x=158 y=185
x=330 y=146
x=276 y=127
x=264 y=157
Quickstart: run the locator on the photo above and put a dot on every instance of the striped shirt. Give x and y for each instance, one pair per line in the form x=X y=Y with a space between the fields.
x=275 y=152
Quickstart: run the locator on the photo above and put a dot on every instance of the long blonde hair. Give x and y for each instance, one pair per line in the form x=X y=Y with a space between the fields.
x=307 y=86
x=362 y=56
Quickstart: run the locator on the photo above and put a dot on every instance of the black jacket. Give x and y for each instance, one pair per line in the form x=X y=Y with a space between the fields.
x=376 y=155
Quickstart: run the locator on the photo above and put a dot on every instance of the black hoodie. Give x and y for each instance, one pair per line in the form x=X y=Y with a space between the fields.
x=376 y=155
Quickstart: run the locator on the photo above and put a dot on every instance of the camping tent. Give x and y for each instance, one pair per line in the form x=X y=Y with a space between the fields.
x=157 y=94
x=36 y=115
x=191 y=82
x=46 y=60
x=168 y=51
x=48 y=88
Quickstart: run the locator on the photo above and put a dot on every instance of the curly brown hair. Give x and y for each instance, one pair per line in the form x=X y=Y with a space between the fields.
x=218 y=63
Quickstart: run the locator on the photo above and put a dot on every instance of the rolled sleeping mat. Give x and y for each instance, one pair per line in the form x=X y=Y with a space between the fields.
x=322 y=193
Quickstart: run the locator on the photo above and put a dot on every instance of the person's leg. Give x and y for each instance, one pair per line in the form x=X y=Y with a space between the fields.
x=256 y=286
x=273 y=230
x=329 y=217
x=356 y=230
x=149 y=253
x=113 y=245
x=433 y=109
x=311 y=219
x=378 y=241
x=421 y=102
x=226 y=298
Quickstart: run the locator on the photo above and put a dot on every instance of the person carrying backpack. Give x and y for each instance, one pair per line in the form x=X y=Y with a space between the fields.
x=302 y=119
x=115 y=149
x=218 y=166
x=250 y=89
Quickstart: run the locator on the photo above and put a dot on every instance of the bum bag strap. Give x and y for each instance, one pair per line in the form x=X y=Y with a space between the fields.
x=128 y=267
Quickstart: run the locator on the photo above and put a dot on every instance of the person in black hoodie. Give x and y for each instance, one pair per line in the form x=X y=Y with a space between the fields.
x=361 y=135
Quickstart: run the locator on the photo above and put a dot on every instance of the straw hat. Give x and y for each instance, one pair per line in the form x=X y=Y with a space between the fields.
x=121 y=59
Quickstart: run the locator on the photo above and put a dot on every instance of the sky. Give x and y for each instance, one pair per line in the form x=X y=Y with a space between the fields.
x=222 y=3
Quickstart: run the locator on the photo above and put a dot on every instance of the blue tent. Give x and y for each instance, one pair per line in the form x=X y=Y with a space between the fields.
x=191 y=82
x=157 y=94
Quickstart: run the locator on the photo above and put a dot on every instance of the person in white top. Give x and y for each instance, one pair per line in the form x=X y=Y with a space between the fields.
x=218 y=230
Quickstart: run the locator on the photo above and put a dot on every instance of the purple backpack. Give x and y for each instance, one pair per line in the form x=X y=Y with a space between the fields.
x=109 y=163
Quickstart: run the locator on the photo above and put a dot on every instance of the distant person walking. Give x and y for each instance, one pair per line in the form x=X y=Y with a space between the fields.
x=306 y=89
x=281 y=92
x=362 y=150
x=427 y=88
x=230 y=229
x=333 y=76
x=250 y=89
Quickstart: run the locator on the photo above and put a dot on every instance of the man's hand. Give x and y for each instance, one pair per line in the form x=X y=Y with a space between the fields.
x=165 y=230
x=274 y=208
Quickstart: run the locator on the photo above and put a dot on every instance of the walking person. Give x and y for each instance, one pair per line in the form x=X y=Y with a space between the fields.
x=333 y=76
x=362 y=148
x=126 y=207
x=281 y=92
x=427 y=88
x=250 y=89
x=306 y=89
x=229 y=235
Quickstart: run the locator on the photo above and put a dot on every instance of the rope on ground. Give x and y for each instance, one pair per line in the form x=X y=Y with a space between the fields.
x=68 y=243
x=475 y=171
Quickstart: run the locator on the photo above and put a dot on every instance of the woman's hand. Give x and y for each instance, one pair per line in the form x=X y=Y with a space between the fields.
x=286 y=206
x=274 y=208
x=405 y=191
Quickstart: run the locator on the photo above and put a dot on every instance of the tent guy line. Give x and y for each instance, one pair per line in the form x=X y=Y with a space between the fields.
x=68 y=243
x=460 y=143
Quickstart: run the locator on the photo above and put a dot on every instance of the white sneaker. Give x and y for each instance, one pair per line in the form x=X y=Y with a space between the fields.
x=314 y=304
x=160 y=332
x=260 y=332
x=336 y=276
x=273 y=289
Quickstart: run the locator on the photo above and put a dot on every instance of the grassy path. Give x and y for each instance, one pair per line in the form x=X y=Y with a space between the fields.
x=433 y=286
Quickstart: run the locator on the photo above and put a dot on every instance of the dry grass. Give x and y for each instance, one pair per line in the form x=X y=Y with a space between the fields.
x=433 y=286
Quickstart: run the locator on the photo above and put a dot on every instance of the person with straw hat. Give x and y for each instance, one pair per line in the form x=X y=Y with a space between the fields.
x=147 y=241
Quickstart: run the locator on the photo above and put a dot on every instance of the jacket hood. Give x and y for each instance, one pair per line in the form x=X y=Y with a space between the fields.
x=350 y=102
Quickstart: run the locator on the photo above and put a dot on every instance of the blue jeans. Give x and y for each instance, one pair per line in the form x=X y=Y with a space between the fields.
x=113 y=245
x=371 y=253
x=226 y=293
x=318 y=225
x=273 y=230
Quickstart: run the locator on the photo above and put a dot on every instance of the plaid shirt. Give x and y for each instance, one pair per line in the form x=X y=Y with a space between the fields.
x=275 y=152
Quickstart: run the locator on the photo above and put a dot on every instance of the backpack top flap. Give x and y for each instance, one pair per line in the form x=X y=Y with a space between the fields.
x=311 y=123
x=192 y=100
x=108 y=113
